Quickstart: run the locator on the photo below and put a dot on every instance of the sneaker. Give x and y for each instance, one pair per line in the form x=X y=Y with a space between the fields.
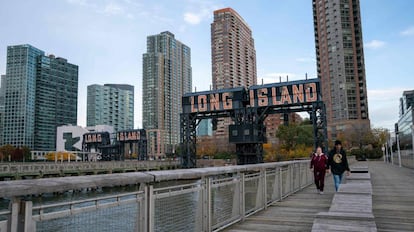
x=321 y=193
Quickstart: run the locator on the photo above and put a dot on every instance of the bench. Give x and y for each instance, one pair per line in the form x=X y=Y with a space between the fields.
x=351 y=207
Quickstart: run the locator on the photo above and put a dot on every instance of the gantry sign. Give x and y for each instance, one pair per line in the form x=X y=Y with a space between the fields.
x=129 y=138
x=248 y=108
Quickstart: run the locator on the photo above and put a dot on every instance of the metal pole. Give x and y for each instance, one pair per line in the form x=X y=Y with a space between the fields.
x=399 y=152
x=412 y=144
x=390 y=147
x=383 y=151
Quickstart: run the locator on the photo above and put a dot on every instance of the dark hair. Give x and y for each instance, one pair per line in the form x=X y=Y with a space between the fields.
x=338 y=142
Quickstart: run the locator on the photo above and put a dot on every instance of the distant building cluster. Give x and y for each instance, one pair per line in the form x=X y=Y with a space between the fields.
x=39 y=93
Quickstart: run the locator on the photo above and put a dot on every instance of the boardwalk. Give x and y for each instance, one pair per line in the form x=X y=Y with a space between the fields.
x=392 y=200
x=393 y=197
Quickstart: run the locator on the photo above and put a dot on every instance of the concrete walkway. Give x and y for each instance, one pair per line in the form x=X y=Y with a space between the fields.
x=392 y=203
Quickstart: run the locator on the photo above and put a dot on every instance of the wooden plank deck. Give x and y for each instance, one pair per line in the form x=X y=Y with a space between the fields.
x=392 y=197
x=392 y=204
x=295 y=213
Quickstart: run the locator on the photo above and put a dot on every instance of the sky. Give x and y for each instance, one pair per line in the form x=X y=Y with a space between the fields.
x=107 y=38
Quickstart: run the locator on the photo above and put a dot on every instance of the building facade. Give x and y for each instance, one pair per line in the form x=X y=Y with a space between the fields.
x=205 y=128
x=405 y=128
x=2 y=95
x=56 y=99
x=167 y=75
x=40 y=94
x=340 y=64
x=70 y=138
x=232 y=51
x=111 y=104
x=406 y=101
x=233 y=58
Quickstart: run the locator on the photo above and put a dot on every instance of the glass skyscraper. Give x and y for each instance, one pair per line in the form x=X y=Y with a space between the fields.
x=111 y=104
x=167 y=75
x=56 y=99
x=40 y=94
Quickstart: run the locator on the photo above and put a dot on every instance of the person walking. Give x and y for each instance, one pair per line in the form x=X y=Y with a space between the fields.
x=318 y=165
x=338 y=163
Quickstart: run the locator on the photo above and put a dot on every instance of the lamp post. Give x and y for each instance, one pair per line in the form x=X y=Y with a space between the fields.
x=412 y=144
x=398 y=144
x=383 y=152
x=391 y=153
x=399 y=151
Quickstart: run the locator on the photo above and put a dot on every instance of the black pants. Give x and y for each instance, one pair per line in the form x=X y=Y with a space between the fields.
x=319 y=176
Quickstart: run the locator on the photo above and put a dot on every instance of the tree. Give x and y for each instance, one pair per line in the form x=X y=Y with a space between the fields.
x=296 y=141
x=292 y=135
x=26 y=153
x=6 y=151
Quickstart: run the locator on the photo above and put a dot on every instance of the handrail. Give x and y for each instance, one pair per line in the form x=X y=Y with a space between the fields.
x=202 y=199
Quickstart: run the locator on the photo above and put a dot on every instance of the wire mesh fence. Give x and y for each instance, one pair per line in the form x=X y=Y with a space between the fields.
x=209 y=201
x=178 y=208
x=119 y=212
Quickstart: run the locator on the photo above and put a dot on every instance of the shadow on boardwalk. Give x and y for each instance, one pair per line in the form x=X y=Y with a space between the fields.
x=392 y=200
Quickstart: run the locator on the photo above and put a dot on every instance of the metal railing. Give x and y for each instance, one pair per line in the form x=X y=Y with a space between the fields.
x=51 y=168
x=202 y=199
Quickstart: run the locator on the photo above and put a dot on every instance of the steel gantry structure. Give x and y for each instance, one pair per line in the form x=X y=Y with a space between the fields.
x=248 y=109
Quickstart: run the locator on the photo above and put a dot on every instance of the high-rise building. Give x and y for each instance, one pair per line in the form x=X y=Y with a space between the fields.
x=111 y=104
x=340 y=64
x=167 y=75
x=406 y=101
x=233 y=59
x=2 y=95
x=40 y=94
x=232 y=51
x=56 y=99
x=205 y=128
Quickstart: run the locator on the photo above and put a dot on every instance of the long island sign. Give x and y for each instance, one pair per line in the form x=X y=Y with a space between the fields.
x=281 y=94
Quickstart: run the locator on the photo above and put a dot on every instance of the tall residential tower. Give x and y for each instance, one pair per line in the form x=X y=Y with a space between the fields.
x=167 y=75
x=232 y=51
x=233 y=60
x=40 y=94
x=111 y=104
x=340 y=64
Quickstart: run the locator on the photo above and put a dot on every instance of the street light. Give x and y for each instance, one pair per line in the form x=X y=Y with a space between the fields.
x=383 y=151
x=412 y=144
x=398 y=144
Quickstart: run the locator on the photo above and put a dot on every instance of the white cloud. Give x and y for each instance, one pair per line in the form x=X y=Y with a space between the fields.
x=192 y=18
x=200 y=11
x=375 y=44
x=383 y=106
x=78 y=2
x=113 y=9
x=407 y=32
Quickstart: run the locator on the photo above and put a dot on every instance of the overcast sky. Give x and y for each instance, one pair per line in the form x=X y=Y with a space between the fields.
x=106 y=39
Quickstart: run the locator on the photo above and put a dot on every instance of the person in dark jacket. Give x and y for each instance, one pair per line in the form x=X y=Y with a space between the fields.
x=318 y=164
x=338 y=163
